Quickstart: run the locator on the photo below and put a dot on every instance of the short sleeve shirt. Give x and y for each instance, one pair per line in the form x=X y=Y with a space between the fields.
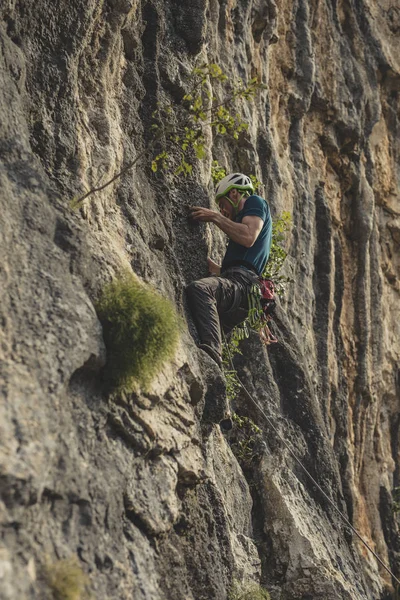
x=258 y=254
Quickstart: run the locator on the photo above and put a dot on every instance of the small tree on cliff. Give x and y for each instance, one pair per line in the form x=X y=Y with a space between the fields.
x=179 y=130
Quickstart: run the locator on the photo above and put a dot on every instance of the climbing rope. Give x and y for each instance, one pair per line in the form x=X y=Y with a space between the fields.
x=293 y=454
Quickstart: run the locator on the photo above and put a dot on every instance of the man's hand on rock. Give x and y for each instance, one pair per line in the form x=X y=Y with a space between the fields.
x=198 y=213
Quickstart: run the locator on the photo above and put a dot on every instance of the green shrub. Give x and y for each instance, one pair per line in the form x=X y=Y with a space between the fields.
x=66 y=579
x=245 y=441
x=229 y=349
x=280 y=227
x=141 y=331
x=248 y=591
x=396 y=500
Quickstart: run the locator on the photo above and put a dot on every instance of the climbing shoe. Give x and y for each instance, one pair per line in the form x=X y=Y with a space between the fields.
x=226 y=424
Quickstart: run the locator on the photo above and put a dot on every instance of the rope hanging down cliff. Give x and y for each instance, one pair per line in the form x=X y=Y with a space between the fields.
x=293 y=454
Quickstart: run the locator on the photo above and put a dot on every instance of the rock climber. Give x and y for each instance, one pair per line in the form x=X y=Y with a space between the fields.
x=221 y=300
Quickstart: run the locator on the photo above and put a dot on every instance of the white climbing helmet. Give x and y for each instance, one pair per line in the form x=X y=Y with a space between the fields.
x=233 y=180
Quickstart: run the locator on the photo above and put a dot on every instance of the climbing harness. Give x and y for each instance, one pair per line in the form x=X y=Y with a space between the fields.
x=293 y=454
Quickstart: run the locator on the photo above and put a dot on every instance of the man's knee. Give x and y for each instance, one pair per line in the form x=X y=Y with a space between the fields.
x=192 y=290
x=198 y=288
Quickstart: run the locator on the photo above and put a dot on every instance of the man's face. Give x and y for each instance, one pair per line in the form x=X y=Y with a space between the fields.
x=226 y=209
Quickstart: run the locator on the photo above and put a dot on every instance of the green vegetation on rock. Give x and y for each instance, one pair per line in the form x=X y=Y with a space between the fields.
x=213 y=100
x=141 y=331
x=179 y=128
x=66 y=579
x=229 y=349
x=248 y=591
x=280 y=227
x=246 y=439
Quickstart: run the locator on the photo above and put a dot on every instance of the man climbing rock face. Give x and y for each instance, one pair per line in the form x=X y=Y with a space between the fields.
x=222 y=299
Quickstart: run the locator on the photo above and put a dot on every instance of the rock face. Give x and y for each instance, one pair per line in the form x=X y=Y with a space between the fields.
x=146 y=493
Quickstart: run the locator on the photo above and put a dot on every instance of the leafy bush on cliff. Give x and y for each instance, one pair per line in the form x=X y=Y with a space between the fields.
x=66 y=580
x=245 y=440
x=141 y=331
x=248 y=591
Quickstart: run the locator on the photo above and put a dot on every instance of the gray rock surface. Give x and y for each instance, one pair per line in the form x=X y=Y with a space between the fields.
x=142 y=487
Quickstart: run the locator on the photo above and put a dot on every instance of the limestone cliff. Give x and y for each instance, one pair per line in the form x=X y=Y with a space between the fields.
x=145 y=493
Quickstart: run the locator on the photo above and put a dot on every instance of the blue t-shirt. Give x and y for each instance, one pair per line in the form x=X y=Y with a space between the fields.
x=258 y=254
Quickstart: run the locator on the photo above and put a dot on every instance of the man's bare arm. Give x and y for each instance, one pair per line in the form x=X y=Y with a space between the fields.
x=244 y=233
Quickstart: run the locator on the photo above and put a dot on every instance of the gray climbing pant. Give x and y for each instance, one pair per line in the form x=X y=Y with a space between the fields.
x=220 y=302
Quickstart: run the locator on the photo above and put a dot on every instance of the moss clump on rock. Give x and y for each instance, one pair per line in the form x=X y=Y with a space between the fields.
x=66 y=579
x=248 y=591
x=141 y=331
